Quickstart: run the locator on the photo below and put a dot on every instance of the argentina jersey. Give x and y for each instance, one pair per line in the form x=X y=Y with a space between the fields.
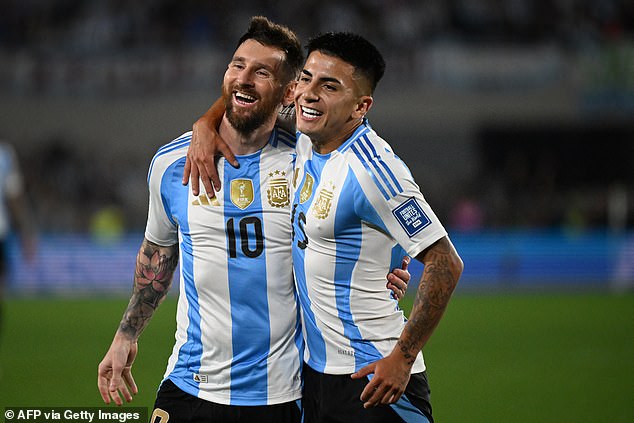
x=238 y=339
x=356 y=212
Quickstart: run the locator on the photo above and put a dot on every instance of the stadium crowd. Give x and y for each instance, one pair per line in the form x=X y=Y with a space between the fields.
x=116 y=48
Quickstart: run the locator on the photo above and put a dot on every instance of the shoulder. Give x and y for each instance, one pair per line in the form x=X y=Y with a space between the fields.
x=369 y=149
x=282 y=139
x=375 y=164
x=169 y=153
x=176 y=146
x=304 y=145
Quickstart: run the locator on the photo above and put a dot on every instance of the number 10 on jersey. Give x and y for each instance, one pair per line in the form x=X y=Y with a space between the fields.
x=251 y=236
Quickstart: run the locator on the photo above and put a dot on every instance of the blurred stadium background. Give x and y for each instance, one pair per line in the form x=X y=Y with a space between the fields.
x=515 y=117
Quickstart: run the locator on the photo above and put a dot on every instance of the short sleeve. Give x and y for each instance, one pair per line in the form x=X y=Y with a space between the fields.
x=160 y=227
x=399 y=205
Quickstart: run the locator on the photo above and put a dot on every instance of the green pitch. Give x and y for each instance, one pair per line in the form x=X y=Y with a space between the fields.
x=494 y=358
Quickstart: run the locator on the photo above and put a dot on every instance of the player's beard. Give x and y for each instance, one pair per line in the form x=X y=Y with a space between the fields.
x=247 y=121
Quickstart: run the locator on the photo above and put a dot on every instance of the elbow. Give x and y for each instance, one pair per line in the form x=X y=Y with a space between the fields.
x=457 y=267
x=454 y=262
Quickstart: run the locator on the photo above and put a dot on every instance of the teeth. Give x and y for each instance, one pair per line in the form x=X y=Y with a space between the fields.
x=245 y=97
x=306 y=111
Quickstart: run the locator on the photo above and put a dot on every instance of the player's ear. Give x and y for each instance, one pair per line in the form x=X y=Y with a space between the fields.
x=289 y=93
x=364 y=104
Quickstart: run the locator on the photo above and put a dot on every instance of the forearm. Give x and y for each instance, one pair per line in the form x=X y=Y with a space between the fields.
x=155 y=267
x=443 y=268
x=212 y=117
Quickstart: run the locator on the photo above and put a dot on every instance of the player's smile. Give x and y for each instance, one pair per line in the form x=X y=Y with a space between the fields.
x=309 y=113
x=243 y=98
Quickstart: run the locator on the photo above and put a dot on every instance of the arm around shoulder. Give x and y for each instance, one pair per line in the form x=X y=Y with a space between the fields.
x=206 y=143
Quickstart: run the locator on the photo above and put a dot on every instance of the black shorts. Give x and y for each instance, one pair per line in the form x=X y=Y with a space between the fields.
x=176 y=406
x=335 y=398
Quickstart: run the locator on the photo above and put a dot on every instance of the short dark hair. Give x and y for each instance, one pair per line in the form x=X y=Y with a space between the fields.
x=271 y=34
x=353 y=49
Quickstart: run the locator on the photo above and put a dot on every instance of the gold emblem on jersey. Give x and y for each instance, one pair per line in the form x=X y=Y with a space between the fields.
x=203 y=200
x=278 y=191
x=242 y=193
x=321 y=209
x=307 y=189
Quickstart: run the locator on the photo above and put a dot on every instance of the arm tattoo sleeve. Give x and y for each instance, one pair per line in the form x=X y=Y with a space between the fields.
x=443 y=268
x=155 y=267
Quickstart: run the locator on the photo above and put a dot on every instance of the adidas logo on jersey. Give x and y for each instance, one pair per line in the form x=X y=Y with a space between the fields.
x=203 y=200
x=200 y=378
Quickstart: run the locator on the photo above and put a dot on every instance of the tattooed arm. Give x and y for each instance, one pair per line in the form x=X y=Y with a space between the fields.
x=443 y=267
x=155 y=267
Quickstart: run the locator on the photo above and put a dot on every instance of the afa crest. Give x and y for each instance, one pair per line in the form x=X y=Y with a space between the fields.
x=307 y=188
x=321 y=209
x=278 y=192
x=242 y=193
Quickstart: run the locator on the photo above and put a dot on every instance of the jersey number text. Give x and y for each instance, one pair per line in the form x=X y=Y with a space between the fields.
x=256 y=232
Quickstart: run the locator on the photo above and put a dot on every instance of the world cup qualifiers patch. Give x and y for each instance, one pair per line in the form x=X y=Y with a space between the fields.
x=411 y=217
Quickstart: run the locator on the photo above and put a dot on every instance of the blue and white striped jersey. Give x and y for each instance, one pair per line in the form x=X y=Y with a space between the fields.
x=356 y=212
x=238 y=339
